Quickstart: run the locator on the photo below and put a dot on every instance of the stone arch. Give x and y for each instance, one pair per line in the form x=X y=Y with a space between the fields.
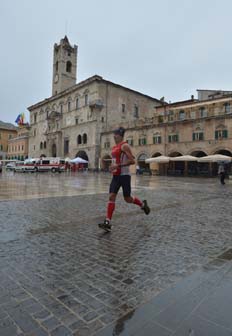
x=198 y=153
x=141 y=157
x=175 y=153
x=82 y=154
x=223 y=151
x=156 y=154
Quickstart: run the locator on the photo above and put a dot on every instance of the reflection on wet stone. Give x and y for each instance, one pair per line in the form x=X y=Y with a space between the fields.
x=60 y=273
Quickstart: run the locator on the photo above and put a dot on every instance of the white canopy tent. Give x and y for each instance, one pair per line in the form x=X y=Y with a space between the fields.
x=215 y=158
x=184 y=158
x=79 y=160
x=158 y=159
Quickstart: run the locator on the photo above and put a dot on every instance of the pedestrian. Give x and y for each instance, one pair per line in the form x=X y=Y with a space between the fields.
x=122 y=158
x=137 y=170
x=222 y=173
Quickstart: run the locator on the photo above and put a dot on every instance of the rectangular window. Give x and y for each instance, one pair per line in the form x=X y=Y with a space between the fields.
x=77 y=103
x=69 y=106
x=130 y=142
x=156 y=139
x=102 y=119
x=142 y=141
x=221 y=134
x=66 y=146
x=173 y=138
x=170 y=116
x=203 y=112
x=198 y=136
x=107 y=144
x=123 y=108
x=86 y=99
x=227 y=107
x=136 y=111
x=182 y=115
x=77 y=120
x=193 y=114
x=61 y=108
x=160 y=119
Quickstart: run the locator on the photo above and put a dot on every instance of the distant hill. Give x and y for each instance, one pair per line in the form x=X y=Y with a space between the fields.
x=5 y=125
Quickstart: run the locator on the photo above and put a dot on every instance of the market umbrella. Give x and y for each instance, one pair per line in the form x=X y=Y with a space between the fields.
x=158 y=159
x=184 y=158
x=215 y=158
x=78 y=160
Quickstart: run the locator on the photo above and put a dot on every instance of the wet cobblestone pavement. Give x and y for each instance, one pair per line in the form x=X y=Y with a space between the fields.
x=60 y=275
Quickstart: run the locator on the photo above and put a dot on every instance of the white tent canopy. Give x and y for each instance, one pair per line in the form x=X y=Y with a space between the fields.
x=184 y=158
x=215 y=158
x=158 y=159
x=78 y=160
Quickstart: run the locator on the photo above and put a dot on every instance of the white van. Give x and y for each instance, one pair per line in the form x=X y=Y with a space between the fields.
x=43 y=164
x=50 y=164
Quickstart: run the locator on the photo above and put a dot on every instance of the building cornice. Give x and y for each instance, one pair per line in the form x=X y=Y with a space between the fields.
x=83 y=84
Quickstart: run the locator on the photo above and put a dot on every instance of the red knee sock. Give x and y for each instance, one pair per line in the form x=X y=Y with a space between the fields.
x=110 y=210
x=137 y=201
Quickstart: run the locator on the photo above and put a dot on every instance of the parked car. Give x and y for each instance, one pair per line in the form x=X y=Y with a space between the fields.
x=12 y=165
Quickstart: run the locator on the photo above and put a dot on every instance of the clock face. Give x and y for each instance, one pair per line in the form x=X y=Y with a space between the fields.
x=56 y=78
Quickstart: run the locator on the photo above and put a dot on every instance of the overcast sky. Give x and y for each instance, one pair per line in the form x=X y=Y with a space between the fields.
x=161 y=48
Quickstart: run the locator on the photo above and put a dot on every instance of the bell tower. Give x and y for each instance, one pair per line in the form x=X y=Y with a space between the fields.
x=64 y=66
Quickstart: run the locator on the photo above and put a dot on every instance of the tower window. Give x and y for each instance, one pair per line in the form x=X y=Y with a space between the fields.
x=56 y=66
x=69 y=66
x=69 y=106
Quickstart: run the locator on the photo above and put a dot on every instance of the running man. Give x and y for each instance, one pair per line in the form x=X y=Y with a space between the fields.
x=122 y=158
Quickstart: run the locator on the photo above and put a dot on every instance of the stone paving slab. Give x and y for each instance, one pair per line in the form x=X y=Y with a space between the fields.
x=60 y=274
x=197 y=305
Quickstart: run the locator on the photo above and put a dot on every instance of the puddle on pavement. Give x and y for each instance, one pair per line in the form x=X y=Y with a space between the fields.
x=6 y=237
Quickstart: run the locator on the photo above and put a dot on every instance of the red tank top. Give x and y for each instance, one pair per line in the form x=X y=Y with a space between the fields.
x=116 y=156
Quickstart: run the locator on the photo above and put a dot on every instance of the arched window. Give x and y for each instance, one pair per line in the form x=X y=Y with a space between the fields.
x=69 y=106
x=85 y=138
x=79 y=140
x=77 y=103
x=45 y=144
x=41 y=145
x=69 y=66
